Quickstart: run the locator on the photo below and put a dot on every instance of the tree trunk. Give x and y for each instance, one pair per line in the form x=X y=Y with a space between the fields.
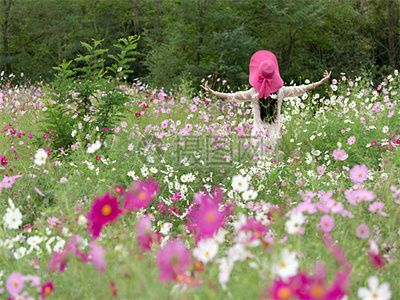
x=392 y=35
x=7 y=8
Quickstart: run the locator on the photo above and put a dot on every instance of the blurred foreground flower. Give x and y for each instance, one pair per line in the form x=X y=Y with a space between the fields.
x=206 y=219
x=173 y=261
x=104 y=210
x=141 y=194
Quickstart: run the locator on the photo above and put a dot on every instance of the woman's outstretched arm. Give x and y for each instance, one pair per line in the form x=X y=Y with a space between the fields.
x=217 y=94
x=237 y=97
x=313 y=85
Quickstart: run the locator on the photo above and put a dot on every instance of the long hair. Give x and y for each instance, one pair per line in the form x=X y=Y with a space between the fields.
x=269 y=108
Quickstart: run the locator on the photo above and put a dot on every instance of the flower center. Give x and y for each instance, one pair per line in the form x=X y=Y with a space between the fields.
x=211 y=217
x=282 y=264
x=47 y=290
x=142 y=196
x=106 y=210
x=207 y=253
x=317 y=291
x=15 y=283
x=284 y=293
x=375 y=295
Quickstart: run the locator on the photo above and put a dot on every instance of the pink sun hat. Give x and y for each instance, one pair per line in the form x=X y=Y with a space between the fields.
x=264 y=73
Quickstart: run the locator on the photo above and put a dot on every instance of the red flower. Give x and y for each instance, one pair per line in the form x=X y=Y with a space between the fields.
x=46 y=289
x=104 y=210
x=137 y=115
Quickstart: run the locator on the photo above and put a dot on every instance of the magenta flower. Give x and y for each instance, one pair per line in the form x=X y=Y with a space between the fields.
x=327 y=223
x=351 y=140
x=373 y=143
x=46 y=289
x=206 y=219
x=146 y=235
x=142 y=193
x=358 y=173
x=3 y=161
x=118 y=189
x=362 y=231
x=173 y=261
x=339 y=154
x=104 y=210
x=96 y=254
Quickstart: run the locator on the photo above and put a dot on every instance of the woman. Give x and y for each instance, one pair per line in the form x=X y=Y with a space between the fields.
x=266 y=96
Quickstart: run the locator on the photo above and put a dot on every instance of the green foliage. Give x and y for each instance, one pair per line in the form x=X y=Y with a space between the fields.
x=95 y=100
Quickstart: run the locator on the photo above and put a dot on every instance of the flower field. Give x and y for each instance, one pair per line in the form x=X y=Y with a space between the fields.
x=170 y=200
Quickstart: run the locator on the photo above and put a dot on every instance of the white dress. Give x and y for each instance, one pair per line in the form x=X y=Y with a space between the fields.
x=265 y=134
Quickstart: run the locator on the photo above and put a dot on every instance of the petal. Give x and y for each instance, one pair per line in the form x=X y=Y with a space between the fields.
x=364 y=293
x=373 y=282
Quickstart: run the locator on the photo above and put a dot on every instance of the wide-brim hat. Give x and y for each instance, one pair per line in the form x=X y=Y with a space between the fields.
x=264 y=73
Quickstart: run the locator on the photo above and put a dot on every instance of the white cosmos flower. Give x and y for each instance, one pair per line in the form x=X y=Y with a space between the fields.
x=287 y=264
x=374 y=290
x=59 y=246
x=73 y=133
x=293 y=225
x=34 y=241
x=20 y=252
x=12 y=218
x=40 y=157
x=239 y=183
x=94 y=147
x=206 y=250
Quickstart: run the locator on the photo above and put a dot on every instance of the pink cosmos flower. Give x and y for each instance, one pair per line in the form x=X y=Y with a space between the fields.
x=364 y=195
x=59 y=259
x=146 y=235
x=46 y=289
x=327 y=223
x=206 y=219
x=104 y=210
x=358 y=173
x=173 y=261
x=321 y=170
x=362 y=231
x=141 y=194
x=96 y=254
x=339 y=154
x=15 y=283
x=377 y=107
x=351 y=140
x=8 y=181
x=38 y=191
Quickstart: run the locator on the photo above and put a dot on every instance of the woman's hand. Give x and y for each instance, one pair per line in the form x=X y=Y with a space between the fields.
x=207 y=89
x=326 y=76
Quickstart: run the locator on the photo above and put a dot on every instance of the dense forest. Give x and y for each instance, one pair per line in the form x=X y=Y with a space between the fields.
x=194 y=38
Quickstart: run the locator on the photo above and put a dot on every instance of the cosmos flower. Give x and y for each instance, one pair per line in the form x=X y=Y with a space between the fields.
x=104 y=210
x=358 y=174
x=374 y=290
x=173 y=260
x=339 y=154
x=40 y=157
x=46 y=289
x=206 y=218
x=141 y=194
x=327 y=223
